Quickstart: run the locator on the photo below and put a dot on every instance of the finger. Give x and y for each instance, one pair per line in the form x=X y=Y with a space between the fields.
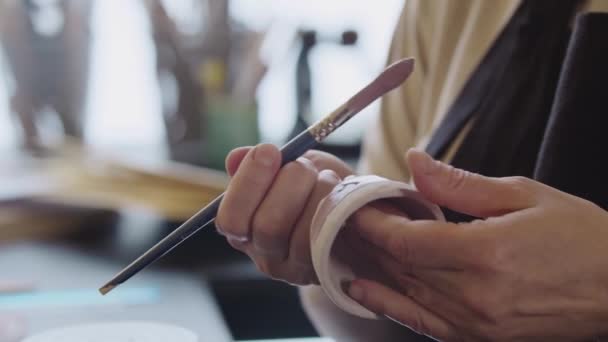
x=326 y=161
x=299 y=250
x=234 y=159
x=441 y=292
x=276 y=216
x=349 y=248
x=283 y=271
x=278 y=270
x=247 y=189
x=415 y=244
x=388 y=206
x=447 y=282
x=239 y=244
x=387 y=302
x=364 y=250
x=430 y=294
x=467 y=192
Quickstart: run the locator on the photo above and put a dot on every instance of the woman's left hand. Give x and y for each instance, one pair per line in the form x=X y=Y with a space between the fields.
x=535 y=268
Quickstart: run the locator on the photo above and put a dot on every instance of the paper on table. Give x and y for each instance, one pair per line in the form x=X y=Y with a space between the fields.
x=174 y=190
x=63 y=192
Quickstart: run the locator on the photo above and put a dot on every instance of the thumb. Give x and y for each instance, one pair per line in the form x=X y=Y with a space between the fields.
x=467 y=192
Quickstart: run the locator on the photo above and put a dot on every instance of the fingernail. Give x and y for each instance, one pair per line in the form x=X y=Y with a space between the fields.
x=232 y=237
x=355 y=291
x=237 y=243
x=264 y=154
x=236 y=238
x=305 y=161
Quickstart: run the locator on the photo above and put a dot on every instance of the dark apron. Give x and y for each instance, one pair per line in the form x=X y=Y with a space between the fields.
x=535 y=102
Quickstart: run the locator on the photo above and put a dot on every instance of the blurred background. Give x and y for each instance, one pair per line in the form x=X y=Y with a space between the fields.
x=115 y=118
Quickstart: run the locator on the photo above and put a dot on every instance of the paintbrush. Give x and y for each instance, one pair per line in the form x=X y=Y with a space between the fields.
x=390 y=78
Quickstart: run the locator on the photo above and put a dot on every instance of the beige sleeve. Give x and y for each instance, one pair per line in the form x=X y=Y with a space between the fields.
x=410 y=39
x=595 y=6
x=448 y=40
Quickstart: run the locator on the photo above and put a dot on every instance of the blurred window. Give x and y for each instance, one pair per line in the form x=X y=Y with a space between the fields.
x=124 y=107
x=8 y=135
x=337 y=71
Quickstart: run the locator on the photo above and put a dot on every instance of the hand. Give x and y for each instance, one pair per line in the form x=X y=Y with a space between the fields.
x=535 y=268
x=266 y=211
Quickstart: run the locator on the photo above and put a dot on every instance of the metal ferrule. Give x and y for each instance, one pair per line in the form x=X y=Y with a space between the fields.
x=328 y=124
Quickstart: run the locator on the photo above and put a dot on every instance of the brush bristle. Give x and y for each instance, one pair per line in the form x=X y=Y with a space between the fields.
x=392 y=77
x=396 y=73
x=104 y=290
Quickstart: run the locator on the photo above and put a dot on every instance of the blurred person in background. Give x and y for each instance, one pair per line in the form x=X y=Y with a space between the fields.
x=197 y=66
x=47 y=47
x=501 y=89
x=183 y=119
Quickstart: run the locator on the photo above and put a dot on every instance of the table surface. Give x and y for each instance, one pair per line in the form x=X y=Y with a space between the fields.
x=65 y=281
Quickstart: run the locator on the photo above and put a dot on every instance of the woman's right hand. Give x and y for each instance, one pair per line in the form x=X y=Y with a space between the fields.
x=267 y=210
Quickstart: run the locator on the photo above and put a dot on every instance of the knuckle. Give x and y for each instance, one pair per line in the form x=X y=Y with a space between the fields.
x=307 y=165
x=268 y=223
x=328 y=177
x=519 y=181
x=520 y=184
x=323 y=160
x=302 y=167
x=311 y=154
x=317 y=158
